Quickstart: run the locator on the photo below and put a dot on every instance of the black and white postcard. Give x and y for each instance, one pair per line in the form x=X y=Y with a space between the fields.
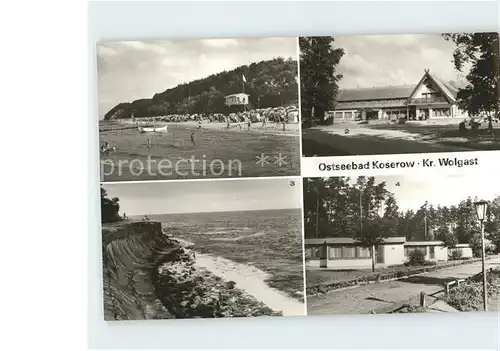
x=215 y=108
x=299 y=176
x=401 y=244
x=202 y=249
x=399 y=94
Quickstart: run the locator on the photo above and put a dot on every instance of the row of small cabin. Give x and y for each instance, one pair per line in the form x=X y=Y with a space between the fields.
x=346 y=253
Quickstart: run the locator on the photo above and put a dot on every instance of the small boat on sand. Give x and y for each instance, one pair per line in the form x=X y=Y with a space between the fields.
x=152 y=129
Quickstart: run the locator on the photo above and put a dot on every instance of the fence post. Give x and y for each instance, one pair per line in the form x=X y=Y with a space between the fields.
x=447 y=288
x=422 y=299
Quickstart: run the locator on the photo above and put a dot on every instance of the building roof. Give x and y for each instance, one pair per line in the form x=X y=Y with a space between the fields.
x=394 y=91
x=424 y=243
x=349 y=241
x=376 y=93
x=462 y=245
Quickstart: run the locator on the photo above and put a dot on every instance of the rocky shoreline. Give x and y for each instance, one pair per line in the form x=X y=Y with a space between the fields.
x=189 y=292
x=149 y=275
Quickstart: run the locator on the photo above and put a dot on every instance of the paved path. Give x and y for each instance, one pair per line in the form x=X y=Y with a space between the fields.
x=383 y=296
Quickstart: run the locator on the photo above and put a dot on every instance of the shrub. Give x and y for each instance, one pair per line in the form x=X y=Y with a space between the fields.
x=109 y=208
x=469 y=295
x=416 y=258
x=455 y=255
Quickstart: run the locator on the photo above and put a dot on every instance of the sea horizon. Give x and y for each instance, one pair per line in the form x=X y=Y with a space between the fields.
x=207 y=212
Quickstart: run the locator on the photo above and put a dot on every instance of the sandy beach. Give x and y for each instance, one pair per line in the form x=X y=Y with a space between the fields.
x=291 y=129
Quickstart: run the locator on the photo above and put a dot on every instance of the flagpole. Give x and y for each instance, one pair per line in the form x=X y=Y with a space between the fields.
x=243 y=85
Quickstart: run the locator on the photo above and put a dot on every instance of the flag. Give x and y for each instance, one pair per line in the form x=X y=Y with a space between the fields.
x=244 y=79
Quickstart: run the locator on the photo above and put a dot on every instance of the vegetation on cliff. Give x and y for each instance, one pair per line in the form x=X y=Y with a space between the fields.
x=269 y=83
x=109 y=208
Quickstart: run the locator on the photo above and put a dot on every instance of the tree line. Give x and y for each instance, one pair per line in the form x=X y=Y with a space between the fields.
x=269 y=83
x=367 y=211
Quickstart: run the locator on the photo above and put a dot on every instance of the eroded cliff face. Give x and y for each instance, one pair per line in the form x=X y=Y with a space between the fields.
x=132 y=252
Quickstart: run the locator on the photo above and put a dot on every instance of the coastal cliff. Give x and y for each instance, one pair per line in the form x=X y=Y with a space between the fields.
x=149 y=275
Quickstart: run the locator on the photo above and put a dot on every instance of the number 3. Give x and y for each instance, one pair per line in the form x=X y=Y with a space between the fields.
x=292 y=183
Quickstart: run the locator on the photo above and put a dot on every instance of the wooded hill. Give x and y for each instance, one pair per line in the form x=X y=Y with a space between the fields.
x=269 y=83
x=333 y=207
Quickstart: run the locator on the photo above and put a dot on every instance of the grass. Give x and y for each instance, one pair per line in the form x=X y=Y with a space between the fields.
x=469 y=295
x=324 y=276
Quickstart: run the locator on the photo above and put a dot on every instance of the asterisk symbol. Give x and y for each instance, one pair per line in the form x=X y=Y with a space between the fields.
x=262 y=160
x=280 y=160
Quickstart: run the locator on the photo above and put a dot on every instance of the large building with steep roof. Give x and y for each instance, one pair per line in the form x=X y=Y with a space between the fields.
x=430 y=98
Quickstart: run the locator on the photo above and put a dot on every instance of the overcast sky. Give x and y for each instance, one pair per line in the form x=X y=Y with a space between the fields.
x=131 y=70
x=444 y=190
x=205 y=196
x=377 y=60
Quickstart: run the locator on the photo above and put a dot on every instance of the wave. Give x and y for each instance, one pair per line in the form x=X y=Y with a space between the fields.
x=225 y=230
x=241 y=237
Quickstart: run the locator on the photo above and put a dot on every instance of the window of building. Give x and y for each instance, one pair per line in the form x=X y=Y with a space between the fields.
x=313 y=252
x=363 y=252
x=348 y=252
x=409 y=249
x=338 y=115
x=432 y=253
x=348 y=115
x=335 y=252
x=441 y=112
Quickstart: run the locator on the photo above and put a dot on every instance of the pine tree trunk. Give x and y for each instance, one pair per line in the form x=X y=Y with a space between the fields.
x=372 y=249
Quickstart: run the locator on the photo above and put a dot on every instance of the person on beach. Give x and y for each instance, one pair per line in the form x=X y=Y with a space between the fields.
x=105 y=147
x=249 y=123
x=150 y=144
x=193 y=138
x=199 y=124
x=228 y=126
x=264 y=121
x=284 y=124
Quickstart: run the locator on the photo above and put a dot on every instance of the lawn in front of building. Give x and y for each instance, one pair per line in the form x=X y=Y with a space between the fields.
x=382 y=137
x=315 y=276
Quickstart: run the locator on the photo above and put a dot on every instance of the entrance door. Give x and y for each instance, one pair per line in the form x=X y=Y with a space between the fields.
x=323 y=252
x=380 y=254
x=432 y=252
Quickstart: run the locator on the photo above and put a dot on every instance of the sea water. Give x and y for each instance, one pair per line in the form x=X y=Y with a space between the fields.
x=264 y=245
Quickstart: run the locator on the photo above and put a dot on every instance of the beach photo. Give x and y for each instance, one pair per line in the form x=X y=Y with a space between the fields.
x=202 y=249
x=194 y=109
x=398 y=94
x=402 y=244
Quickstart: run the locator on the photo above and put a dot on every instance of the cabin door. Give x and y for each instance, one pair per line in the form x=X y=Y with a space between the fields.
x=380 y=254
x=323 y=256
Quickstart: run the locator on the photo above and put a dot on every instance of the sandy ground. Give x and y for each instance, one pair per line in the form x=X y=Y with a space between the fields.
x=251 y=280
x=272 y=128
x=292 y=129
